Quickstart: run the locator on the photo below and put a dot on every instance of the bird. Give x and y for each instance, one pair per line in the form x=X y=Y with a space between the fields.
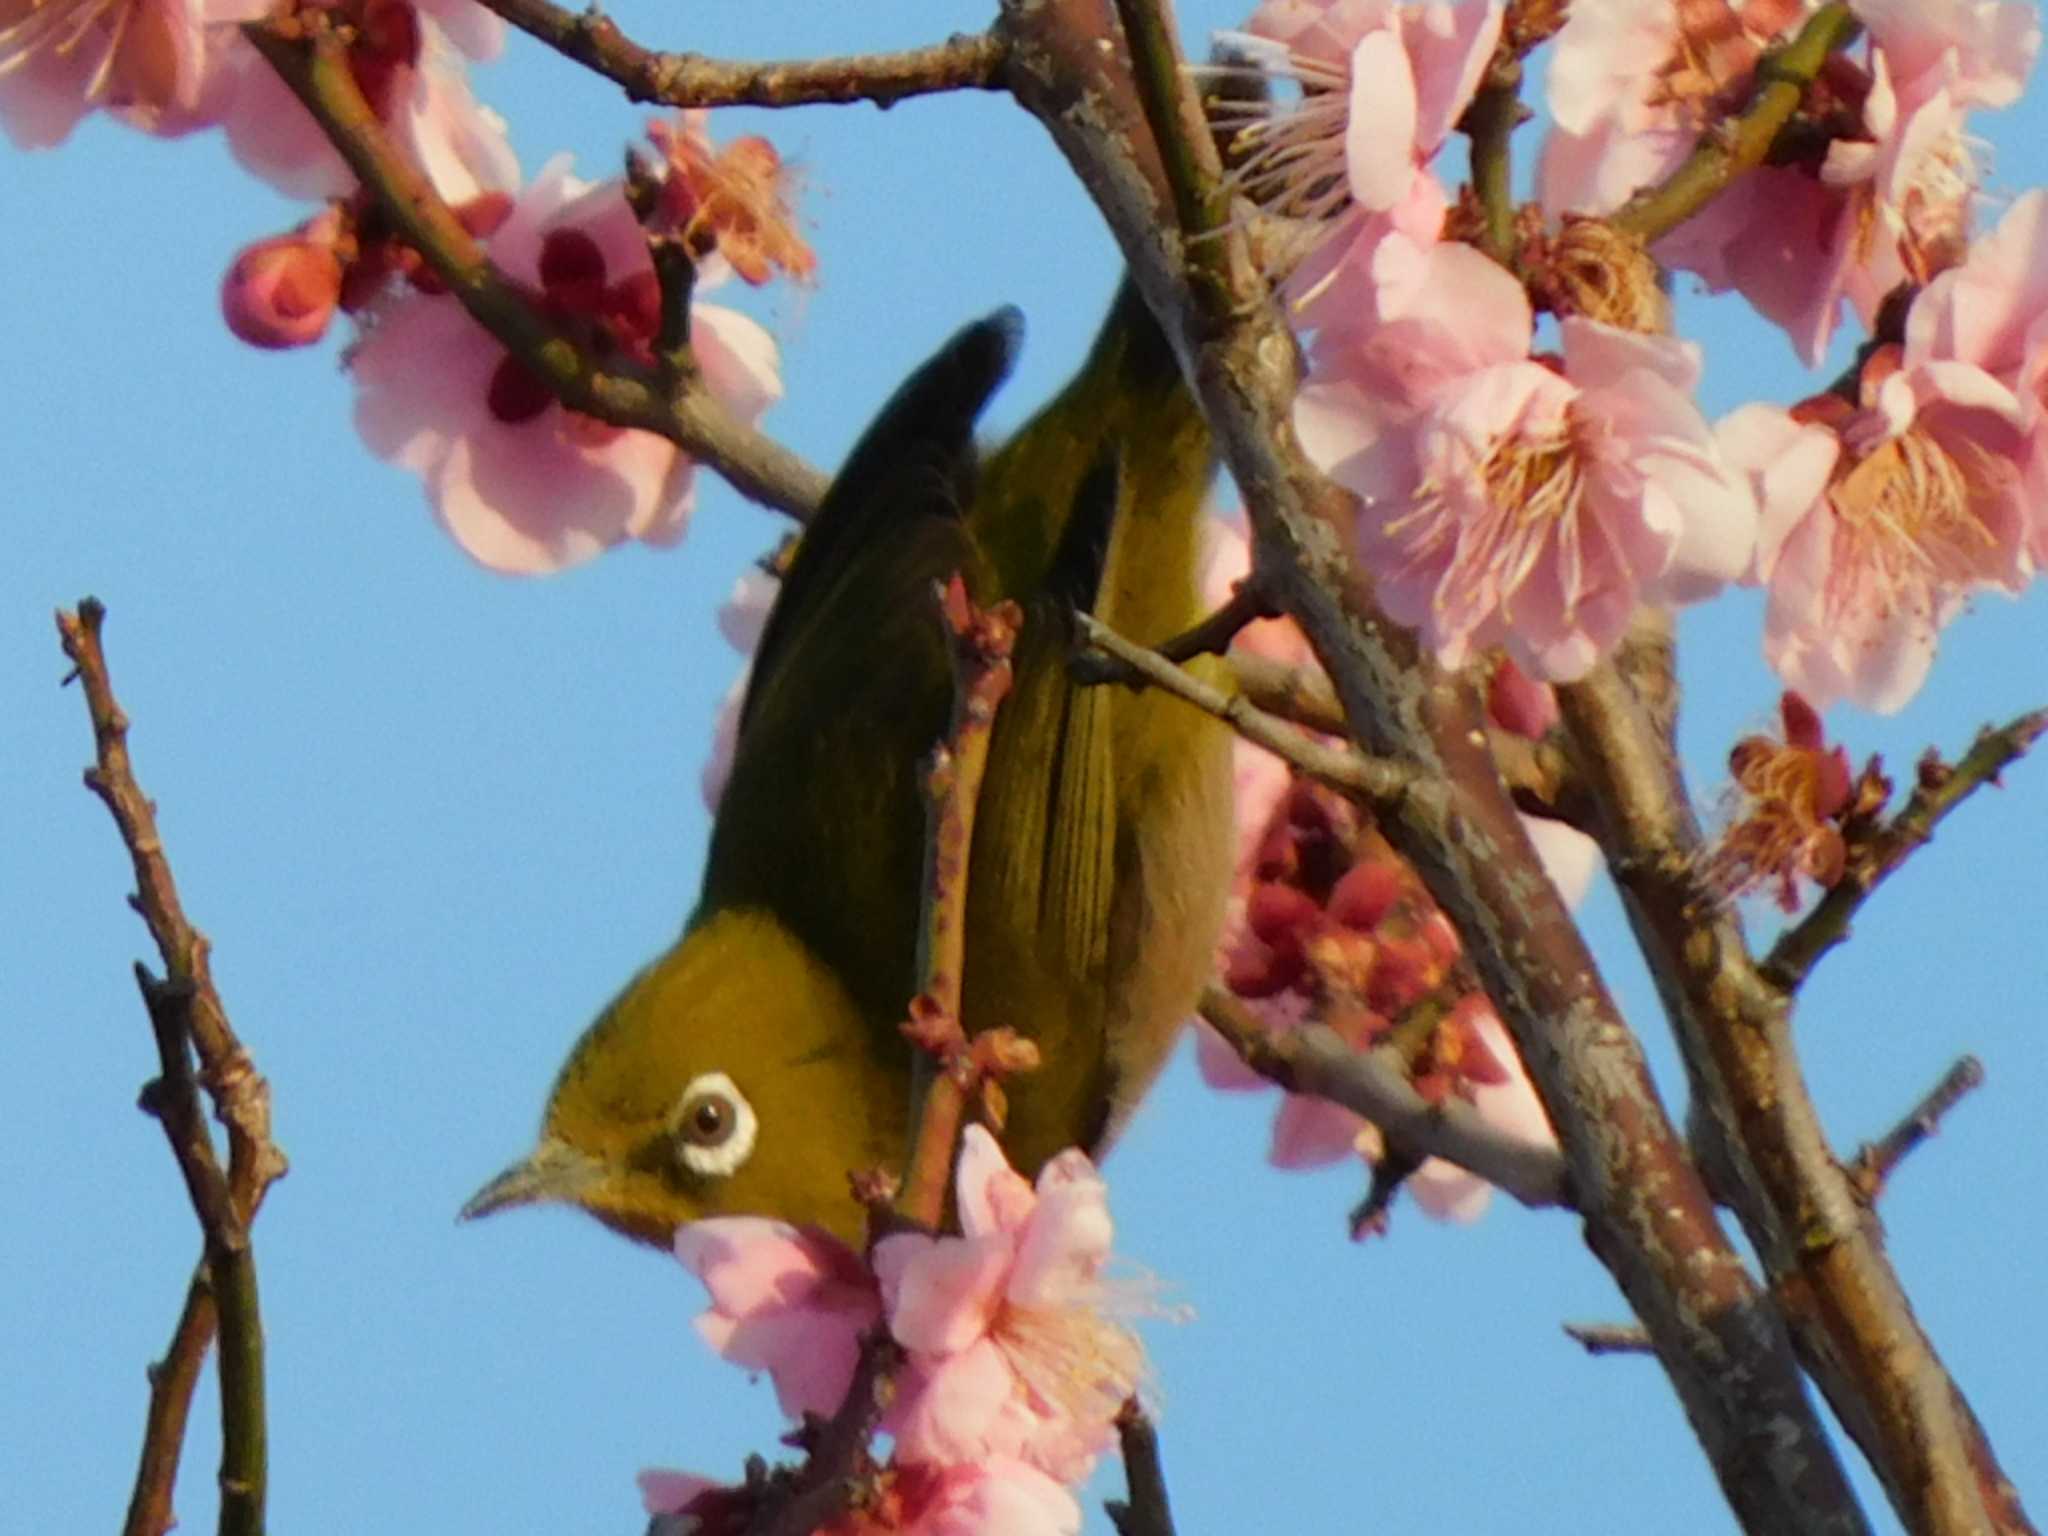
x=760 y=1061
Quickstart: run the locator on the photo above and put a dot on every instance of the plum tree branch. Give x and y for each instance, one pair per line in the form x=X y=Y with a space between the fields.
x=1648 y=1214
x=1373 y=782
x=309 y=57
x=1850 y=1318
x=172 y=1381
x=188 y=1018
x=966 y=61
x=1146 y=1512
x=950 y=1071
x=1314 y=1059
x=1875 y=1162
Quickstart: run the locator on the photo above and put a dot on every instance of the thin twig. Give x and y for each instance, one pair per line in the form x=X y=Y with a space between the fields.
x=1372 y=781
x=1180 y=132
x=1874 y=1163
x=187 y=1016
x=970 y=61
x=950 y=1070
x=1490 y=123
x=1212 y=634
x=310 y=58
x=172 y=1381
x=1538 y=773
x=1146 y=1512
x=1874 y=859
x=1610 y=1338
x=1314 y=1059
x=1729 y=150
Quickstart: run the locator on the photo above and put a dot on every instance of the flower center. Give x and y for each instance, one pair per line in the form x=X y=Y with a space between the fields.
x=1076 y=1361
x=1292 y=152
x=606 y=319
x=1908 y=524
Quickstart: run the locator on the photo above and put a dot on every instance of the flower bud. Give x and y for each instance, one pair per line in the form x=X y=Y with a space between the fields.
x=282 y=292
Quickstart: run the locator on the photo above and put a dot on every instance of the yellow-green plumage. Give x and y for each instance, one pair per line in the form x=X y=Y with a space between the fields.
x=1102 y=844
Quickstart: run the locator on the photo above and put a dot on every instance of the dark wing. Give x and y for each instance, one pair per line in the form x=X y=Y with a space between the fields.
x=822 y=820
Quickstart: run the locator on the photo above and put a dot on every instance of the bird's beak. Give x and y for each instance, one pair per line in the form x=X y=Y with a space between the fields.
x=554 y=1171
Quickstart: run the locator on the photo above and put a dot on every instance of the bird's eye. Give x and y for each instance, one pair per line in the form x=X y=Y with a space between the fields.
x=713 y=1126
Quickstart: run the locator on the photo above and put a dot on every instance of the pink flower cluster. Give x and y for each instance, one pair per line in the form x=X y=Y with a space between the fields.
x=1327 y=923
x=1013 y=1372
x=1532 y=500
x=521 y=483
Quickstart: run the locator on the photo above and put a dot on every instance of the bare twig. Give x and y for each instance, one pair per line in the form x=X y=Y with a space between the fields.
x=1146 y=1512
x=1648 y=1214
x=1849 y=1315
x=1490 y=123
x=310 y=58
x=1610 y=1338
x=950 y=1070
x=1369 y=780
x=1211 y=635
x=187 y=1016
x=1538 y=773
x=1729 y=150
x=593 y=39
x=1314 y=1059
x=172 y=1381
x=1874 y=1163
x=1180 y=133
x=1872 y=860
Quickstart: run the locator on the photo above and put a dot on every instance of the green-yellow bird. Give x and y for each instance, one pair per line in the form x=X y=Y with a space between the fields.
x=759 y=1061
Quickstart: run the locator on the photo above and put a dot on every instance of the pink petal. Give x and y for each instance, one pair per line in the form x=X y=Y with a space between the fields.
x=1064 y=1247
x=942 y=1292
x=988 y=1193
x=945 y=1409
x=1309 y=1133
x=749 y=1263
x=740 y=360
x=1220 y=1066
x=1379 y=129
x=1447 y=1192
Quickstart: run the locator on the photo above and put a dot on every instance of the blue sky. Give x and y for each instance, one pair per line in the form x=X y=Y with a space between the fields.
x=431 y=817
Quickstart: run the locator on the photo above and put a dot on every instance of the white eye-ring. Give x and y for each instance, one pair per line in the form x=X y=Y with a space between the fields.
x=713 y=1126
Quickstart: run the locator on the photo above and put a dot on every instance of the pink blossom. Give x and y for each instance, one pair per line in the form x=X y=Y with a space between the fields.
x=1887 y=205
x=1879 y=522
x=282 y=292
x=523 y=484
x=1384 y=84
x=786 y=1300
x=1009 y=1353
x=409 y=61
x=1633 y=86
x=732 y=202
x=1508 y=503
x=152 y=63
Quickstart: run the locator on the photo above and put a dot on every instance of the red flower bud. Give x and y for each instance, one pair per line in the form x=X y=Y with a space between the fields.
x=281 y=292
x=1365 y=895
x=1281 y=915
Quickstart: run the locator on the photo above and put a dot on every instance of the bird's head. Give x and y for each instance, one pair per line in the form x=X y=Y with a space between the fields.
x=734 y=1076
